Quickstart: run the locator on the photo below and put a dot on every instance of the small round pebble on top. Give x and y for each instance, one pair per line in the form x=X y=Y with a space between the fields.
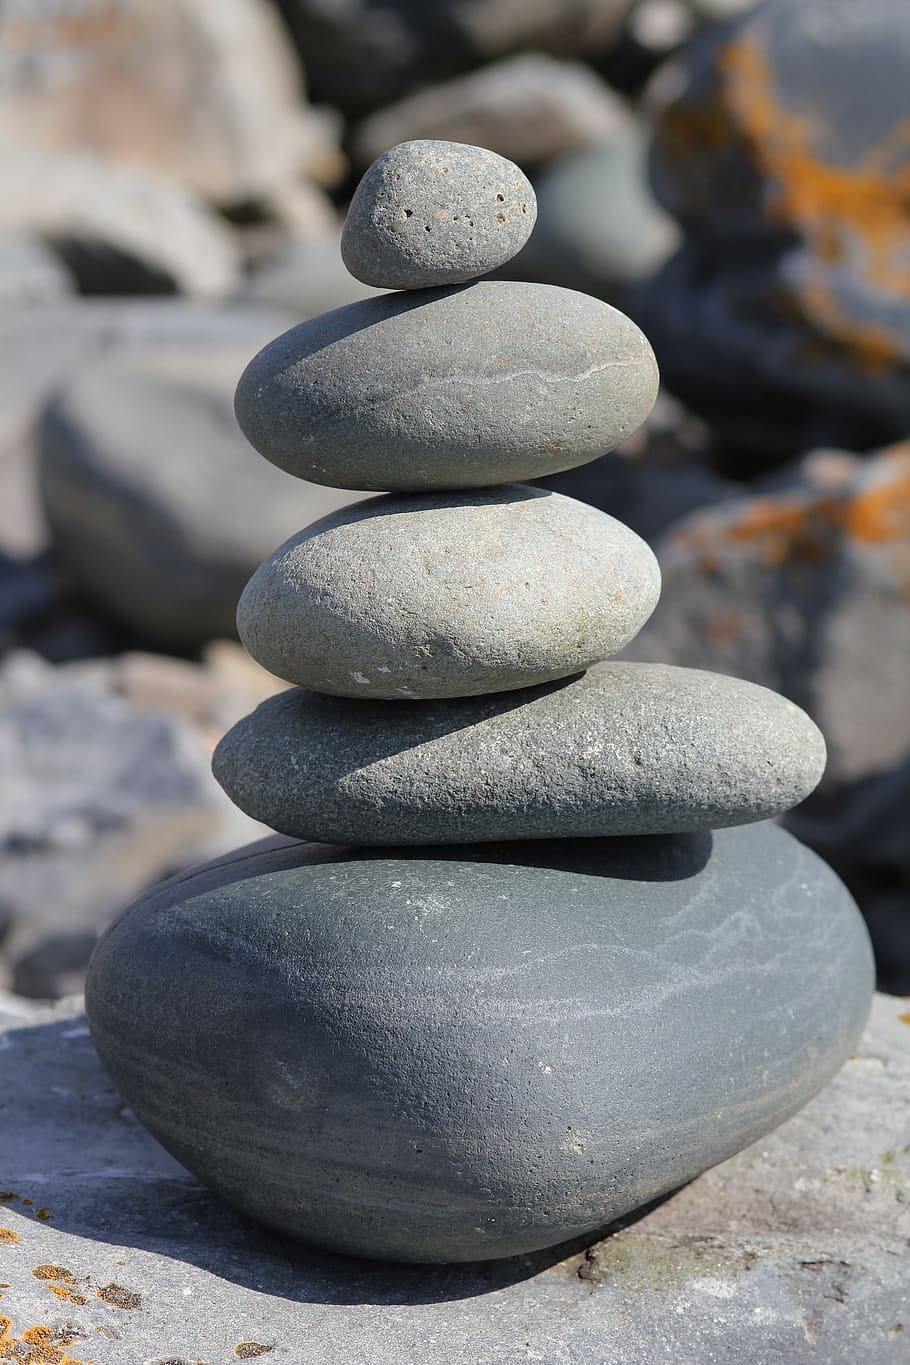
x=430 y=213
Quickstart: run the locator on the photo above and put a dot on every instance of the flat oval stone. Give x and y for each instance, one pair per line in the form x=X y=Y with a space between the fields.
x=627 y=748
x=448 y=595
x=429 y=213
x=458 y=1054
x=448 y=388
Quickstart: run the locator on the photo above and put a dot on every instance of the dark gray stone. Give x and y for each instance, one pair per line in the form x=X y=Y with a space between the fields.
x=624 y=749
x=157 y=507
x=448 y=596
x=429 y=213
x=451 y=388
x=793 y=1250
x=469 y=1054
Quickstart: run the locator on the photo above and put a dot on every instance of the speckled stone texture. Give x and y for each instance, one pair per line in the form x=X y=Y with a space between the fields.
x=460 y=387
x=623 y=749
x=429 y=213
x=448 y=595
x=465 y=1054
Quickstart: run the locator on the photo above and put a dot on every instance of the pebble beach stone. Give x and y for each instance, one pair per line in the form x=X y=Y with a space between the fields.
x=624 y=749
x=428 y=213
x=460 y=387
x=536 y=1040
x=447 y=595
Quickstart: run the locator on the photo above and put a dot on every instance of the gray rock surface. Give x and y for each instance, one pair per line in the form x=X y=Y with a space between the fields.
x=429 y=213
x=529 y=108
x=535 y=1044
x=599 y=228
x=793 y=1250
x=29 y=271
x=448 y=595
x=156 y=504
x=624 y=749
x=451 y=388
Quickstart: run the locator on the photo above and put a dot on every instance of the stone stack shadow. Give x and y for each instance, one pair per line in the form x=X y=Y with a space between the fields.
x=535 y=963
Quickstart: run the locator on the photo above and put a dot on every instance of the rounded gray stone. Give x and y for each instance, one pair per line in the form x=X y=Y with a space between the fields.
x=448 y=595
x=626 y=748
x=459 y=387
x=461 y=1054
x=429 y=213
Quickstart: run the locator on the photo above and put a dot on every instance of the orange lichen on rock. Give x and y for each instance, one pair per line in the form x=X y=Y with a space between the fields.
x=9 y=1237
x=64 y=1292
x=808 y=527
x=36 y=1346
x=48 y=1271
x=860 y=211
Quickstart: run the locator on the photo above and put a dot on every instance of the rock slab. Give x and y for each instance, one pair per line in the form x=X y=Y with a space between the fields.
x=448 y=595
x=431 y=213
x=534 y=1044
x=624 y=749
x=460 y=387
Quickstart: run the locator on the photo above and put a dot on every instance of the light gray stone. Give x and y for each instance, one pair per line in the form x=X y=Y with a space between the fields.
x=428 y=213
x=538 y=1038
x=794 y=1250
x=121 y=227
x=157 y=507
x=448 y=596
x=624 y=749
x=451 y=388
x=529 y=108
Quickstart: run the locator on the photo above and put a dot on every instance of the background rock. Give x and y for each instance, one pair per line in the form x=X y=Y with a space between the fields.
x=158 y=507
x=791 y=297
x=528 y=108
x=120 y=230
x=599 y=228
x=794 y=1249
x=364 y=54
x=205 y=95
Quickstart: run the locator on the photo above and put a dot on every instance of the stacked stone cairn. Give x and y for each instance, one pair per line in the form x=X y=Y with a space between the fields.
x=539 y=966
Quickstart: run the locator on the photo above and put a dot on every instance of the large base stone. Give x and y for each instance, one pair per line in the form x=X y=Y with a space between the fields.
x=795 y=1250
x=454 y=1054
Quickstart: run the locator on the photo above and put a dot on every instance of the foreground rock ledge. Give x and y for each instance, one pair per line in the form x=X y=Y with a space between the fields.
x=795 y=1250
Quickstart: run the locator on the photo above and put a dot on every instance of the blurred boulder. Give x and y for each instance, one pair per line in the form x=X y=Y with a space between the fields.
x=805 y=589
x=365 y=53
x=158 y=507
x=98 y=799
x=599 y=228
x=529 y=108
x=207 y=95
x=306 y=279
x=118 y=229
x=41 y=349
x=29 y=271
x=786 y=159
